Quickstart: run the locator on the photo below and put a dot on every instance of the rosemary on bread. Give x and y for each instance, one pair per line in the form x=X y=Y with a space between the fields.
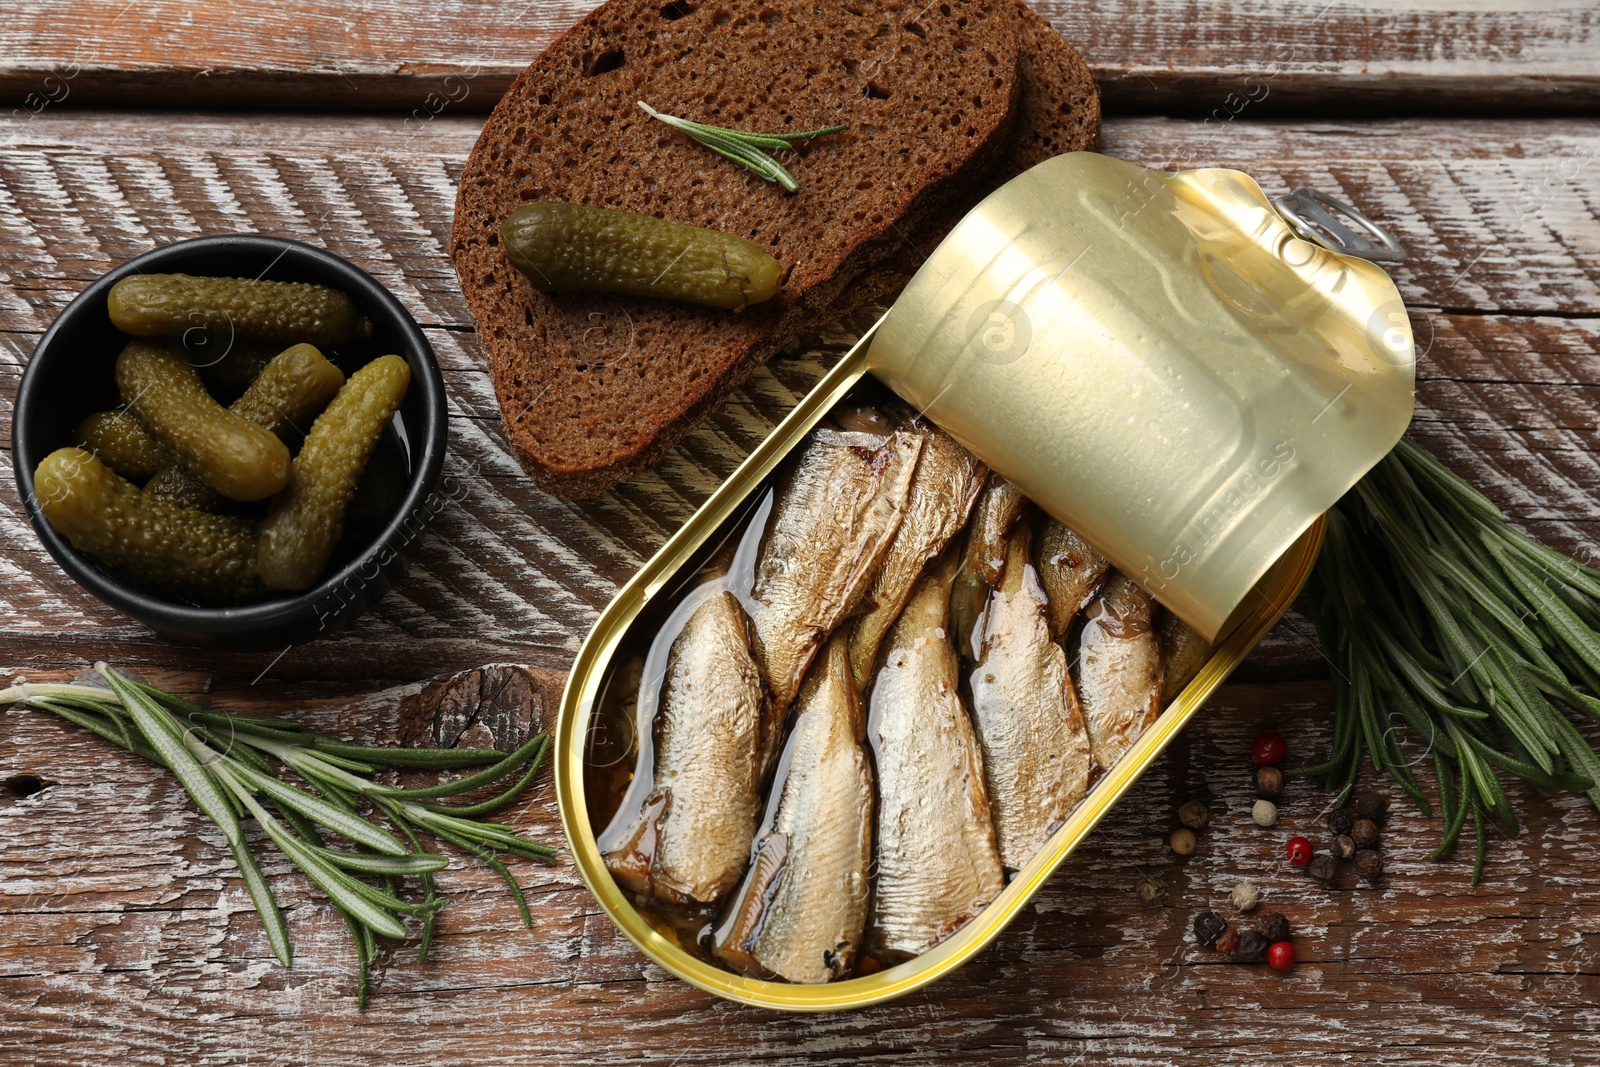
x=747 y=149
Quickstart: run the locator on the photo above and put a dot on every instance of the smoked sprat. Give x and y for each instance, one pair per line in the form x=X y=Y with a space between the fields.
x=891 y=684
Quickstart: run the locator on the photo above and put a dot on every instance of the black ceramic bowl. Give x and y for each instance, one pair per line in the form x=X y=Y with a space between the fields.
x=70 y=376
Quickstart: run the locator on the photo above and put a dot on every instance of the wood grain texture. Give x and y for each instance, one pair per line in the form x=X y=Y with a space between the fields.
x=121 y=906
x=118 y=906
x=1310 y=56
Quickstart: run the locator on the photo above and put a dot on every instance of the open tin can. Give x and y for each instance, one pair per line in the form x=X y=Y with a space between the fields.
x=1168 y=364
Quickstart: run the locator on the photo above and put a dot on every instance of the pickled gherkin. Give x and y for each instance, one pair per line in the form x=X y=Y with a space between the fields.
x=210 y=559
x=290 y=391
x=124 y=445
x=229 y=375
x=572 y=248
x=168 y=305
x=177 y=486
x=283 y=400
x=305 y=521
x=227 y=452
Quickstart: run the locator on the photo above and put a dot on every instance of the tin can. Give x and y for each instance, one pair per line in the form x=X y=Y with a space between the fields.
x=1161 y=361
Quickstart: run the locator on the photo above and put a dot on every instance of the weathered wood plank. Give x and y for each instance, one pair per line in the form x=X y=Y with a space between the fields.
x=1496 y=215
x=1311 y=56
x=120 y=906
x=1500 y=215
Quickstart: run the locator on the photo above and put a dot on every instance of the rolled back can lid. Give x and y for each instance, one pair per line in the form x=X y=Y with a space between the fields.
x=1161 y=362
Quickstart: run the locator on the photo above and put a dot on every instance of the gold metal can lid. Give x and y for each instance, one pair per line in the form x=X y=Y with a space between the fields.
x=1161 y=362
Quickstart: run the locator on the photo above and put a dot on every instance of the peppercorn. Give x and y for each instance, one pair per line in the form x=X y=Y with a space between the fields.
x=1269 y=781
x=1194 y=815
x=1344 y=847
x=1323 y=867
x=1268 y=749
x=1252 y=948
x=1280 y=957
x=1265 y=813
x=1339 y=821
x=1369 y=864
x=1298 y=849
x=1246 y=896
x=1371 y=805
x=1274 y=926
x=1228 y=941
x=1151 y=890
x=1208 y=926
x=1365 y=833
x=1182 y=841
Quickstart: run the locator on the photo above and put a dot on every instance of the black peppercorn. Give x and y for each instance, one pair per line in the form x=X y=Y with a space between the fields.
x=1370 y=805
x=1194 y=815
x=1369 y=864
x=1365 y=833
x=1322 y=867
x=1274 y=926
x=1252 y=947
x=1228 y=941
x=1269 y=781
x=1339 y=821
x=1208 y=926
x=1344 y=847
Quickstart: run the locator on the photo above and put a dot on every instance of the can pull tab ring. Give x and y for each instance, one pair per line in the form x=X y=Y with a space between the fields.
x=1311 y=215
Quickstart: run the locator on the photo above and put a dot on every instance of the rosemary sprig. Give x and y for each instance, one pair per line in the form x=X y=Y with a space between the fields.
x=747 y=149
x=222 y=762
x=1440 y=618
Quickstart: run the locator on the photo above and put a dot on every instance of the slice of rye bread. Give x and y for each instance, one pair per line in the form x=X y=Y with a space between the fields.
x=1059 y=112
x=596 y=388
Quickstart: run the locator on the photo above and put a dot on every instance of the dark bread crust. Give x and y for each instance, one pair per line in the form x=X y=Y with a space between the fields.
x=1060 y=109
x=1059 y=112
x=593 y=390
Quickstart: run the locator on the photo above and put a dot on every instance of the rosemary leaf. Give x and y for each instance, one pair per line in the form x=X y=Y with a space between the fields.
x=265 y=903
x=320 y=811
x=344 y=763
x=343 y=890
x=473 y=811
x=1449 y=807
x=369 y=863
x=429 y=893
x=488 y=775
x=494 y=864
x=164 y=735
x=111 y=727
x=429 y=758
x=1481 y=833
x=744 y=147
x=366 y=950
x=492 y=835
x=339 y=886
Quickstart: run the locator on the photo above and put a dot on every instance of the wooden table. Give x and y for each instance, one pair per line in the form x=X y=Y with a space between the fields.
x=125 y=937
